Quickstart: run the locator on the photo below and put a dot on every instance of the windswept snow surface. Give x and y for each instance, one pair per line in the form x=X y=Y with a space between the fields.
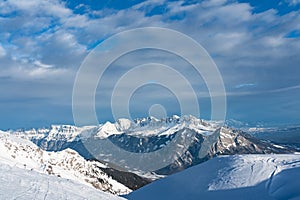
x=230 y=177
x=17 y=183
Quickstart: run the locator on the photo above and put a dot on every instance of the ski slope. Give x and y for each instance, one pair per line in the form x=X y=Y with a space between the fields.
x=68 y=164
x=230 y=177
x=17 y=183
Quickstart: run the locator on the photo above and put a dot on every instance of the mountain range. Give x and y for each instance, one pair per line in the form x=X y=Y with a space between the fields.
x=63 y=151
x=205 y=140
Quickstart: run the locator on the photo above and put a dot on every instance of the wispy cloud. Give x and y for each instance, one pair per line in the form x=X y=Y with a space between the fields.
x=295 y=87
x=2 y=51
x=293 y=2
x=245 y=85
x=42 y=65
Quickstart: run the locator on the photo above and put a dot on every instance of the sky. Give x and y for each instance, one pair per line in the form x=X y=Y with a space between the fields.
x=254 y=44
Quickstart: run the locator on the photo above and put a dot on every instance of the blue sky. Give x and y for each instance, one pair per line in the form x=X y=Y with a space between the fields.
x=255 y=44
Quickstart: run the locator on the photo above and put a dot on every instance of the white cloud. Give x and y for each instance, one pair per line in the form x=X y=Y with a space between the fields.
x=214 y=3
x=293 y=2
x=41 y=72
x=24 y=69
x=2 y=51
x=53 y=8
x=41 y=31
x=41 y=65
x=226 y=29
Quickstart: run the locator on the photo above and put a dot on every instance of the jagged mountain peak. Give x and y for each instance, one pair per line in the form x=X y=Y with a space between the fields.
x=174 y=119
x=71 y=132
x=152 y=126
x=152 y=121
x=123 y=124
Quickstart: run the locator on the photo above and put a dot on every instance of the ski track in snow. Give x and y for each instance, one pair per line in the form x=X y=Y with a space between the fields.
x=19 y=184
x=266 y=177
x=255 y=169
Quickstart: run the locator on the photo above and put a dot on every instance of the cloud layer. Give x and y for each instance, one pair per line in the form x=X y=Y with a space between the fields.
x=43 y=43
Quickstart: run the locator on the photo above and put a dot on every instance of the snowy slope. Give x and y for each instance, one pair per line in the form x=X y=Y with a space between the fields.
x=68 y=164
x=17 y=183
x=230 y=177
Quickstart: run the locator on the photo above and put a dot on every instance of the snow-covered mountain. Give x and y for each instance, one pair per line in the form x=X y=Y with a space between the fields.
x=148 y=126
x=207 y=139
x=223 y=141
x=287 y=135
x=67 y=164
x=230 y=177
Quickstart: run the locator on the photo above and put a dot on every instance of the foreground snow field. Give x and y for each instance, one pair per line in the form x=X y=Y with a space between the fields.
x=17 y=183
x=231 y=177
x=226 y=177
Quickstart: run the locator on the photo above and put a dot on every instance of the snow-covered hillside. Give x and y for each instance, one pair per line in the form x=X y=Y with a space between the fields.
x=67 y=164
x=230 y=177
x=17 y=183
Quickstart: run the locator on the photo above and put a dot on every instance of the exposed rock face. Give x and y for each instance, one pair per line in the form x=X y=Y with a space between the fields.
x=224 y=141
